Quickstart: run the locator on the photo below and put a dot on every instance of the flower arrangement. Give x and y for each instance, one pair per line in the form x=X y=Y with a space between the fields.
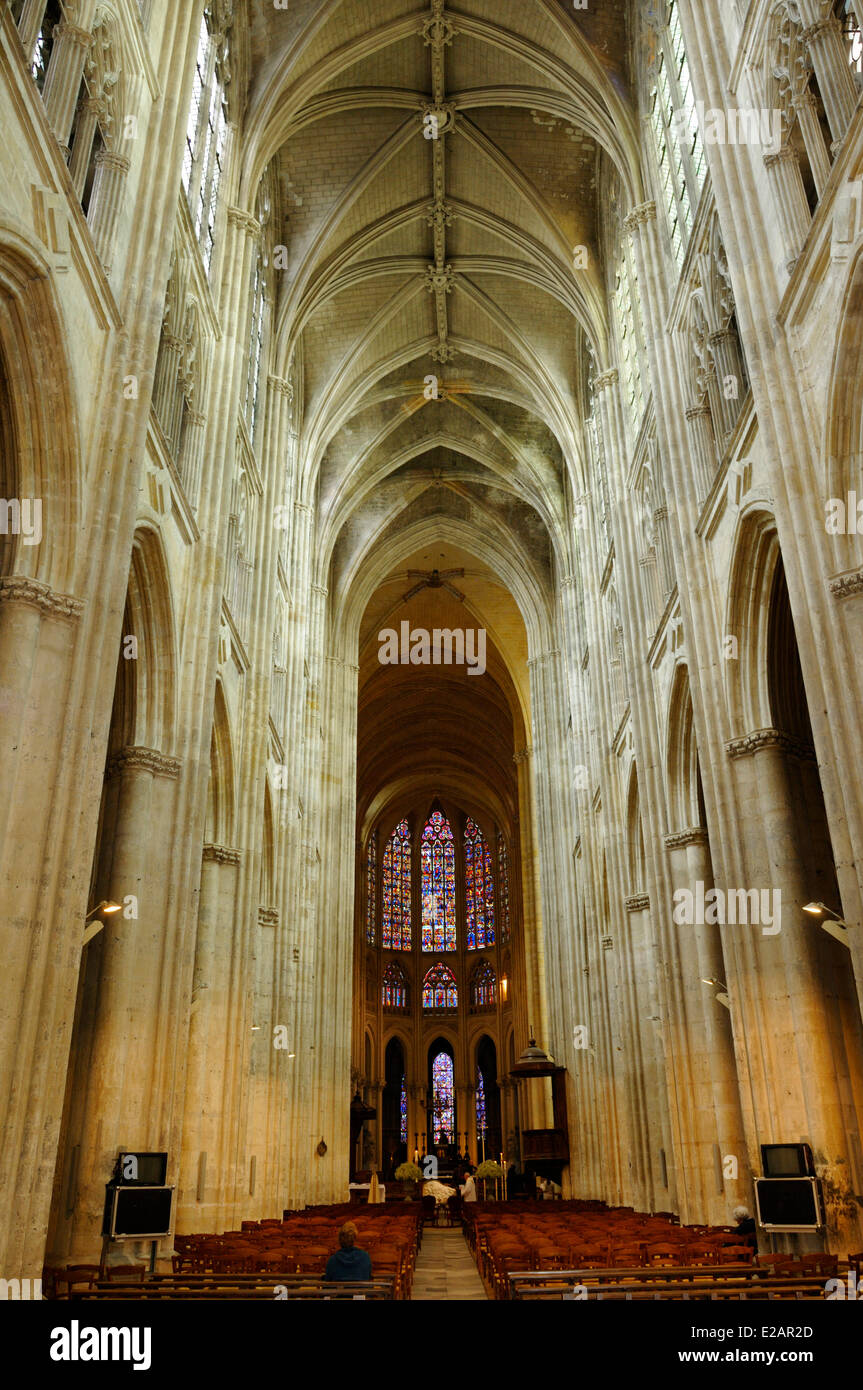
x=408 y=1172
x=489 y=1169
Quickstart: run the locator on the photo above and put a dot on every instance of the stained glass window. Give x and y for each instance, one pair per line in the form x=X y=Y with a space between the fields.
x=396 y=891
x=394 y=990
x=503 y=872
x=371 y=881
x=478 y=888
x=483 y=986
x=443 y=1093
x=403 y=1112
x=480 y=1104
x=438 y=885
x=439 y=988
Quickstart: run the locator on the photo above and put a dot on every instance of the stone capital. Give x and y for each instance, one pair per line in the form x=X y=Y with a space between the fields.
x=606 y=380
x=694 y=835
x=221 y=854
x=117 y=163
x=20 y=589
x=848 y=584
x=639 y=902
x=267 y=916
x=73 y=33
x=641 y=214
x=143 y=760
x=244 y=221
x=762 y=739
x=783 y=156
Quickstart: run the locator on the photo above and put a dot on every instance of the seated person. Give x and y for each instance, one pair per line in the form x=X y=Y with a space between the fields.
x=468 y=1188
x=746 y=1226
x=349 y=1264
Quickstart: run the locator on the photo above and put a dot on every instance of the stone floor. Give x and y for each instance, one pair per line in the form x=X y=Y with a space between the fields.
x=445 y=1269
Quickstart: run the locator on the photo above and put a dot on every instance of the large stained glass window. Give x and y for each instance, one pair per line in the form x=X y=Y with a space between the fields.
x=371 y=883
x=403 y=1113
x=394 y=990
x=480 y=1104
x=439 y=988
x=438 y=885
x=503 y=874
x=396 y=891
x=483 y=986
x=443 y=1101
x=478 y=888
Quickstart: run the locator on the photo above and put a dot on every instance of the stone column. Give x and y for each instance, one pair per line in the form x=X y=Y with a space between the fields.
x=63 y=79
x=193 y=455
x=729 y=366
x=120 y=1089
x=784 y=986
x=91 y=109
x=823 y=38
x=786 y=180
x=810 y=127
x=108 y=190
x=205 y=1198
x=666 y=564
x=30 y=23
x=715 y=1129
x=165 y=385
x=42 y=907
x=703 y=448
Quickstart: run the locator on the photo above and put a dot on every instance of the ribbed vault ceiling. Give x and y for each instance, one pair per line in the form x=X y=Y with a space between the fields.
x=452 y=258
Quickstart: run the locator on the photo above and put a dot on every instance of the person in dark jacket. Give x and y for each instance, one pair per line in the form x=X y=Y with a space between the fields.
x=349 y=1264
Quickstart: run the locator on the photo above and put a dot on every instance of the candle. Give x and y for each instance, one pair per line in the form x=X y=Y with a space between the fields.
x=416 y=1155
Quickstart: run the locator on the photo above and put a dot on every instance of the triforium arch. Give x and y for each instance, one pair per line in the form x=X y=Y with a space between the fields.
x=803 y=976
x=42 y=454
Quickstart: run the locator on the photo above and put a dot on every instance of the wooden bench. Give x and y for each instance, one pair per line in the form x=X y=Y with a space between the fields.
x=685 y=1282
x=237 y=1286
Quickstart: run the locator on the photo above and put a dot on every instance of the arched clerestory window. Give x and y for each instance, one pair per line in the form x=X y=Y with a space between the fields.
x=371 y=887
x=207 y=126
x=438 y=885
x=396 y=891
x=440 y=991
x=483 y=986
x=481 y=1109
x=394 y=988
x=261 y=298
x=478 y=888
x=677 y=138
x=443 y=1098
x=503 y=879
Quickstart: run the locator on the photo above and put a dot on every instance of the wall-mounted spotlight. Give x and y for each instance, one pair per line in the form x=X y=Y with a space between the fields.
x=838 y=928
x=91 y=927
x=722 y=995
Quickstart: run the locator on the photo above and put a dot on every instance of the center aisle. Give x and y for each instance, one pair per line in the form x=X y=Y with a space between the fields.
x=445 y=1270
